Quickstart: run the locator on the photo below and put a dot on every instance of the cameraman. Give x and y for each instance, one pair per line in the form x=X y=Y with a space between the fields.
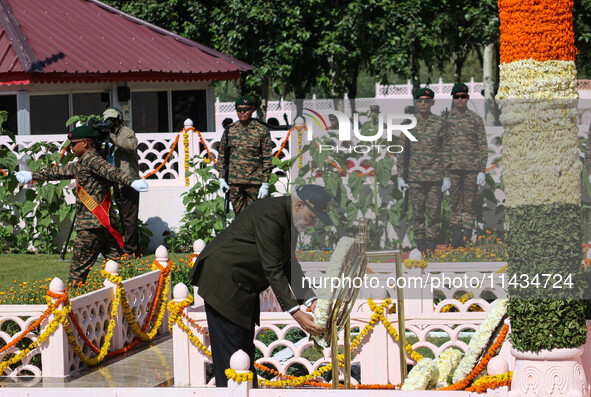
x=126 y=198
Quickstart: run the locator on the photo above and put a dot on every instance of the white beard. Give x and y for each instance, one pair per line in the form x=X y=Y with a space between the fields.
x=299 y=223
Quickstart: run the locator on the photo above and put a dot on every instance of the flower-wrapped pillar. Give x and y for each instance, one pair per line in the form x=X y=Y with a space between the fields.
x=542 y=175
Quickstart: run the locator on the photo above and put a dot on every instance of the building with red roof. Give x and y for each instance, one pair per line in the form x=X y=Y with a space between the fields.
x=60 y=58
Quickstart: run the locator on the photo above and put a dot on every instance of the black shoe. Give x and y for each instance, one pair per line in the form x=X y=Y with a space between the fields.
x=456 y=237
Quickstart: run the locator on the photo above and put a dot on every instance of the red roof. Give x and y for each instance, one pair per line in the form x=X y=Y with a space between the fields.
x=86 y=40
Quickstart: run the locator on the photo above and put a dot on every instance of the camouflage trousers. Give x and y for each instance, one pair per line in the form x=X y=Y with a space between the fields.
x=242 y=195
x=425 y=197
x=463 y=198
x=88 y=244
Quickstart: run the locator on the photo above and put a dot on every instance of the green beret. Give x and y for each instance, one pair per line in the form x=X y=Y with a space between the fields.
x=459 y=87
x=245 y=100
x=83 y=132
x=424 y=92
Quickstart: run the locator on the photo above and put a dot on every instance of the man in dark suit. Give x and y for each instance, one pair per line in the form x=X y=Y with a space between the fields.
x=255 y=251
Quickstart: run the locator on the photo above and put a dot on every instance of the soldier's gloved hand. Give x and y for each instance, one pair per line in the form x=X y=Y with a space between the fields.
x=224 y=186
x=589 y=178
x=263 y=191
x=24 y=177
x=402 y=185
x=140 y=185
x=445 y=185
x=480 y=178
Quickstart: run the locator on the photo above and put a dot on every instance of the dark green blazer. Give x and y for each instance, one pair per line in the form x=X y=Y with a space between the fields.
x=255 y=251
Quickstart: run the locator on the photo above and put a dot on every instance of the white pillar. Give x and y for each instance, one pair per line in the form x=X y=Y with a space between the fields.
x=239 y=362
x=54 y=351
x=198 y=246
x=118 y=340
x=180 y=343
x=161 y=255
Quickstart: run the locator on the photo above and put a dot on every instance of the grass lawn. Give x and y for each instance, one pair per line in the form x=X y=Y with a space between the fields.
x=29 y=274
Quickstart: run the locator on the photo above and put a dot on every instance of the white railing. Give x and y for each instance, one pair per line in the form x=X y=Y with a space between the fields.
x=93 y=313
x=378 y=357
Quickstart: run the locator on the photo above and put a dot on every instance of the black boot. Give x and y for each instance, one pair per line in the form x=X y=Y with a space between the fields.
x=467 y=235
x=456 y=237
x=431 y=244
x=421 y=245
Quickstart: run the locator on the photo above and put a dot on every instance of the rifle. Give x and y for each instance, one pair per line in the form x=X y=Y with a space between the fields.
x=63 y=253
x=405 y=172
x=227 y=173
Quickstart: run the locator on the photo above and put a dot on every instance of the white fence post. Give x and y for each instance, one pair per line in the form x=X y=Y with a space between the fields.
x=54 y=351
x=118 y=340
x=239 y=362
x=180 y=343
x=198 y=246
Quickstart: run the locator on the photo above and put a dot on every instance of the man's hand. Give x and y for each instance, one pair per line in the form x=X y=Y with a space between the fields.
x=140 y=185
x=224 y=186
x=402 y=185
x=445 y=185
x=313 y=306
x=307 y=323
x=263 y=191
x=24 y=177
x=480 y=178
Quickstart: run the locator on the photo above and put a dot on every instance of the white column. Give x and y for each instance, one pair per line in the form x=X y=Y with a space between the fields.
x=198 y=246
x=54 y=351
x=118 y=333
x=180 y=343
x=239 y=362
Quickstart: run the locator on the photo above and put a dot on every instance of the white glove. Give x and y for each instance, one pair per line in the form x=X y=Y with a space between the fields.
x=224 y=186
x=24 y=177
x=402 y=185
x=445 y=185
x=263 y=191
x=140 y=185
x=589 y=178
x=480 y=178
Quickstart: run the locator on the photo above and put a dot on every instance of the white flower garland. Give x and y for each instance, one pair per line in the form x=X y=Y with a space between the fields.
x=334 y=269
x=543 y=80
x=539 y=101
x=423 y=376
x=447 y=362
x=480 y=340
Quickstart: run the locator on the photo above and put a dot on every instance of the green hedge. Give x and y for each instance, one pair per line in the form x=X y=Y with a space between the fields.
x=546 y=240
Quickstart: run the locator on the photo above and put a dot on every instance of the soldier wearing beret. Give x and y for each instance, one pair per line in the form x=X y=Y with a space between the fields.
x=250 y=161
x=422 y=172
x=465 y=153
x=95 y=219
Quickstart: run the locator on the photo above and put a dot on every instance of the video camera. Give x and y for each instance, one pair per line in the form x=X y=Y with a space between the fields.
x=103 y=144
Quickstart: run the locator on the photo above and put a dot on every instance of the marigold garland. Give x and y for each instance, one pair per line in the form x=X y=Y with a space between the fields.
x=548 y=36
x=284 y=142
x=239 y=378
x=481 y=385
x=176 y=141
x=50 y=329
x=186 y=143
x=483 y=362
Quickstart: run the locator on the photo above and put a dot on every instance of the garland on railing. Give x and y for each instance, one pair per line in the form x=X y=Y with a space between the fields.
x=186 y=143
x=174 y=310
x=481 y=385
x=61 y=316
x=176 y=141
x=51 y=327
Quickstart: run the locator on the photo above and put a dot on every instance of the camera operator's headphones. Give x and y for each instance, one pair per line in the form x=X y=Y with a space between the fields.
x=112 y=112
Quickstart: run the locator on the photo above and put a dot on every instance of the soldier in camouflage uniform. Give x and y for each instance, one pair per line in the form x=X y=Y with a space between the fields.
x=422 y=168
x=94 y=215
x=465 y=153
x=250 y=162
